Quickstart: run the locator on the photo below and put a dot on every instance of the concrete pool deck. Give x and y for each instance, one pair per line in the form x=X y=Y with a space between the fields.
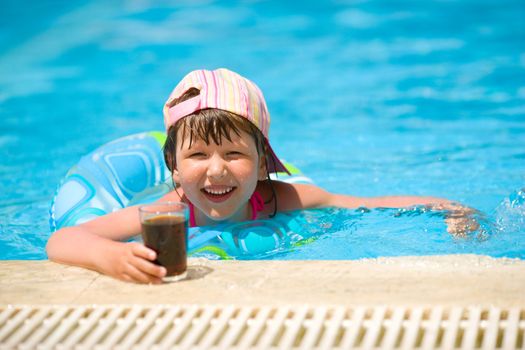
x=455 y=280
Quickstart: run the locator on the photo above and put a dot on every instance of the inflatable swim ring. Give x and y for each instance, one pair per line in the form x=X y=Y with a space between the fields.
x=131 y=170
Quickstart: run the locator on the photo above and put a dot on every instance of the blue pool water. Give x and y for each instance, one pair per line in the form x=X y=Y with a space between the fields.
x=368 y=98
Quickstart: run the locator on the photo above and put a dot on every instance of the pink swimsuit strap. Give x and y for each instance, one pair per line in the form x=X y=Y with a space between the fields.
x=256 y=202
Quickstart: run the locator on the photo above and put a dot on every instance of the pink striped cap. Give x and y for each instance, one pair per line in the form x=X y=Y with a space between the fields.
x=226 y=90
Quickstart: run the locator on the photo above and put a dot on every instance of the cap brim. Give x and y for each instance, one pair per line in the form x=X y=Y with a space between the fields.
x=275 y=165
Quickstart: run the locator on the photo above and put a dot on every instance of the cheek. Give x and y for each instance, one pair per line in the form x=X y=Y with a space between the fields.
x=189 y=173
x=247 y=171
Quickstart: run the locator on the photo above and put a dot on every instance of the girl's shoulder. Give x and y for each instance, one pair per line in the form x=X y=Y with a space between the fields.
x=290 y=196
x=173 y=196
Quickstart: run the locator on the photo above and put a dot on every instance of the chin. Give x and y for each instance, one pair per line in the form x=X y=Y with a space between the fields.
x=219 y=216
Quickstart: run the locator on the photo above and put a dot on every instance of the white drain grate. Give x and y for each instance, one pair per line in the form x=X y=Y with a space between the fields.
x=230 y=327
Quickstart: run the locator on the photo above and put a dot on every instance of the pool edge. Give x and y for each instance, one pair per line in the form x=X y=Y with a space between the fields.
x=450 y=280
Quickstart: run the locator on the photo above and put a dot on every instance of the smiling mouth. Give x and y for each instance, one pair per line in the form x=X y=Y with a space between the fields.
x=218 y=194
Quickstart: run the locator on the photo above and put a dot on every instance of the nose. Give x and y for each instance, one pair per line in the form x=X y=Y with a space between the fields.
x=216 y=167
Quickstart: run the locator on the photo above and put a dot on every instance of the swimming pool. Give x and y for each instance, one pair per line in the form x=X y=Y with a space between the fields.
x=367 y=98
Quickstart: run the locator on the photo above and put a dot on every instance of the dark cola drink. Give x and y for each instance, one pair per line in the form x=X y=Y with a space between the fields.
x=167 y=235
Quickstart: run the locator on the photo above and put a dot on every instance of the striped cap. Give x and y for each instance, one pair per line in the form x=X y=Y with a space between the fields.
x=226 y=90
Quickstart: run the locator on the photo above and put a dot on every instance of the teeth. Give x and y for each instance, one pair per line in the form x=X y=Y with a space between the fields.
x=218 y=192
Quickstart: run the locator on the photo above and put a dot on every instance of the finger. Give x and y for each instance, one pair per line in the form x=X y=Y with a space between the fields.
x=138 y=276
x=149 y=267
x=467 y=224
x=143 y=251
x=471 y=226
x=127 y=278
x=454 y=228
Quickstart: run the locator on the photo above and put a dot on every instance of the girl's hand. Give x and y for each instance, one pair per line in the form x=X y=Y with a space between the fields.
x=460 y=220
x=133 y=262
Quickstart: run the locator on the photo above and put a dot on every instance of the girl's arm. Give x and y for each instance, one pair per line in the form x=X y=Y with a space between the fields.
x=299 y=196
x=96 y=245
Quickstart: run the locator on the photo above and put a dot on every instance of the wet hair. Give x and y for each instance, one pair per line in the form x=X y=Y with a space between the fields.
x=213 y=125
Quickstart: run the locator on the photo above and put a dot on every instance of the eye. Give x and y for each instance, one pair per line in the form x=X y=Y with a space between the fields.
x=197 y=155
x=234 y=154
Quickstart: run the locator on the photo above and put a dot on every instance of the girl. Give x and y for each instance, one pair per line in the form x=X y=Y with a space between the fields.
x=219 y=153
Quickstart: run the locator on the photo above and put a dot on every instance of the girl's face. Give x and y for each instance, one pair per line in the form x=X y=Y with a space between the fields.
x=219 y=179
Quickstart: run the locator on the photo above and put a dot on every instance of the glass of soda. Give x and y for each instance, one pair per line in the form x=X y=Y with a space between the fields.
x=165 y=230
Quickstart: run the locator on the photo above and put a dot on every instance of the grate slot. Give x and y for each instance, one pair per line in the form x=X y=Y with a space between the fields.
x=490 y=336
x=141 y=325
x=218 y=327
x=84 y=327
x=235 y=331
x=315 y=329
x=178 y=327
x=294 y=329
x=470 y=338
x=256 y=326
x=451 y=330
x=373 y=328
x=353 y=329
x=64 y=328
x=198 y=327
x=13 y=324
x=511 y=329
x=273 y=327
x=159 y=328
x=103 y=326
x=433 y=327
x=120 y=326
x=48 y=325
x=334 y=327
x=5 y=315
x=412 y=327
x=392 y=335
x=29 y=325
